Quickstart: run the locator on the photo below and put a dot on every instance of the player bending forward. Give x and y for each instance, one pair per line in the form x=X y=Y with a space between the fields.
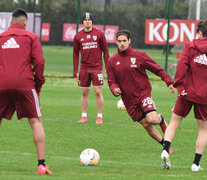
x=127 y=77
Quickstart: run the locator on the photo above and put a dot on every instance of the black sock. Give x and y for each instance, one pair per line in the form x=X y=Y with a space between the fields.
x=41 y=161
x=162 y=142
x=197 y=159
x=166 y=145
x=162 y=119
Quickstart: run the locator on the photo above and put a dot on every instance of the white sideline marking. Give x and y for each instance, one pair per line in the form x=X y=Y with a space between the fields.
x=104 y=161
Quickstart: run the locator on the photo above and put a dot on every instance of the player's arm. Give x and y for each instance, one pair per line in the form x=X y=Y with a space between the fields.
x=105 y=49
x=113 y=84
x=182 y=68
x=38 y=62
x=76 y=49
x=155 y=68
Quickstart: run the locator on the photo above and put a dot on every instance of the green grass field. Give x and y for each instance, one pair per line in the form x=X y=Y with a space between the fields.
x=126 y=151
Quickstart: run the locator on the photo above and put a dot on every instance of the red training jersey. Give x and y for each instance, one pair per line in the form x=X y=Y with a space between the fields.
x=21 y=59
x=90 y=44
x=127 y=71
x=191 y=72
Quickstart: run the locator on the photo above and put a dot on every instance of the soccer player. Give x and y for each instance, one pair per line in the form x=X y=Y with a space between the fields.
x=127 y=77
x=90 y=42
x=21 y=79
x=191 y=84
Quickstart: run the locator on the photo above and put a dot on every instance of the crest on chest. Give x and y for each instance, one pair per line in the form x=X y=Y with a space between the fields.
x=133 y=62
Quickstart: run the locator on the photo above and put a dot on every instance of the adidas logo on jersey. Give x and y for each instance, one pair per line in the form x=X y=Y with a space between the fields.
x=11 y=43
x=118 y=63
x=202 y=59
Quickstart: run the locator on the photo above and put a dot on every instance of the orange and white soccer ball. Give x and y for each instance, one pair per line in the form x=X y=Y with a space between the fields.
x=89 y=157
x=120 y=105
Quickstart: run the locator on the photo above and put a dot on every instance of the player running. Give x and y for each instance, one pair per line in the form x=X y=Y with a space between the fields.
x=191 y=84
x=90 y=42
x=21 y=79
x=127 y=77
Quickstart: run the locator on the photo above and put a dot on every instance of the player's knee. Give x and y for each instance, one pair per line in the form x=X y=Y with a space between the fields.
x=144 y=123
x=153 y=119
x=85 y=93
x=35 y=121
x=98 y=93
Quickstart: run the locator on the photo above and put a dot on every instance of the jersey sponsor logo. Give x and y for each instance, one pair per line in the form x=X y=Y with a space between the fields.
x=94 y=38
x=202 y=59
x=11 y=43
x=89 y=45
x=118 y=63
x=133 y=61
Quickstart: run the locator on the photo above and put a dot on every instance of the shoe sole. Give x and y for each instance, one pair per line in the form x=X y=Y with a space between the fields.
x=166 y=163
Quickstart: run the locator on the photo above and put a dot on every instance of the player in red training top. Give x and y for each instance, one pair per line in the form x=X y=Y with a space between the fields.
x=191 y=84
x=21 y=79
x=127 y=77
x=90 y=42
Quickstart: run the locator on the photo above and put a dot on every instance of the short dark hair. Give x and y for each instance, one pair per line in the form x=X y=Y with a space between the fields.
x=123 y=32
x=19 y=12
x=202 y=26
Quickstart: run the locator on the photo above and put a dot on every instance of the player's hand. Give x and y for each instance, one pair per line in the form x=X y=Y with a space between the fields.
x=77 y=77
x=171 y=89
x=183 y=93
x=117 y=92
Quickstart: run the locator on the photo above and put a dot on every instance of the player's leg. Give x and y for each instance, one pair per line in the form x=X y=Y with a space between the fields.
x=153 y=118
x=97 y=79
x=27 y=105
x=148 y=106
x=99 y=103
x=202 y=136
x=169 y=135
x=172 y=127
x=39 y=140
x=84 y=104
x=38 y=136
x=84 y=83
x=200 y=144
x=151 y=130
x=181 y=109
x=200 y=112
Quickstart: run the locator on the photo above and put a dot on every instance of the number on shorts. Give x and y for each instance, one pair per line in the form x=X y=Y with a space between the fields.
x=100 y=77
x=147 y=101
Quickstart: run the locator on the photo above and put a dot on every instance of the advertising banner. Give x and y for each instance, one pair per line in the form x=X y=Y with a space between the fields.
x=181 y=31
x=69 y=31
x=6 y=17
x=45 y=31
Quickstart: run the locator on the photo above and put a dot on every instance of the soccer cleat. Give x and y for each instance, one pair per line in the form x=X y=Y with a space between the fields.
x=99 y=120
x=165 y=160
x=83 y=120
x=163 y=125
x=170 y=150
x=195 y=168
x=43 y=169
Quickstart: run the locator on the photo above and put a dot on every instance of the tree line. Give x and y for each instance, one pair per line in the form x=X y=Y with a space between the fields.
x=131 y=17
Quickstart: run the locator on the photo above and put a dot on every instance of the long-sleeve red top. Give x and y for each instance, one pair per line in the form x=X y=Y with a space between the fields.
x=21 y=59
x=191 y=74
x=90 y=44
x=127 y=71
